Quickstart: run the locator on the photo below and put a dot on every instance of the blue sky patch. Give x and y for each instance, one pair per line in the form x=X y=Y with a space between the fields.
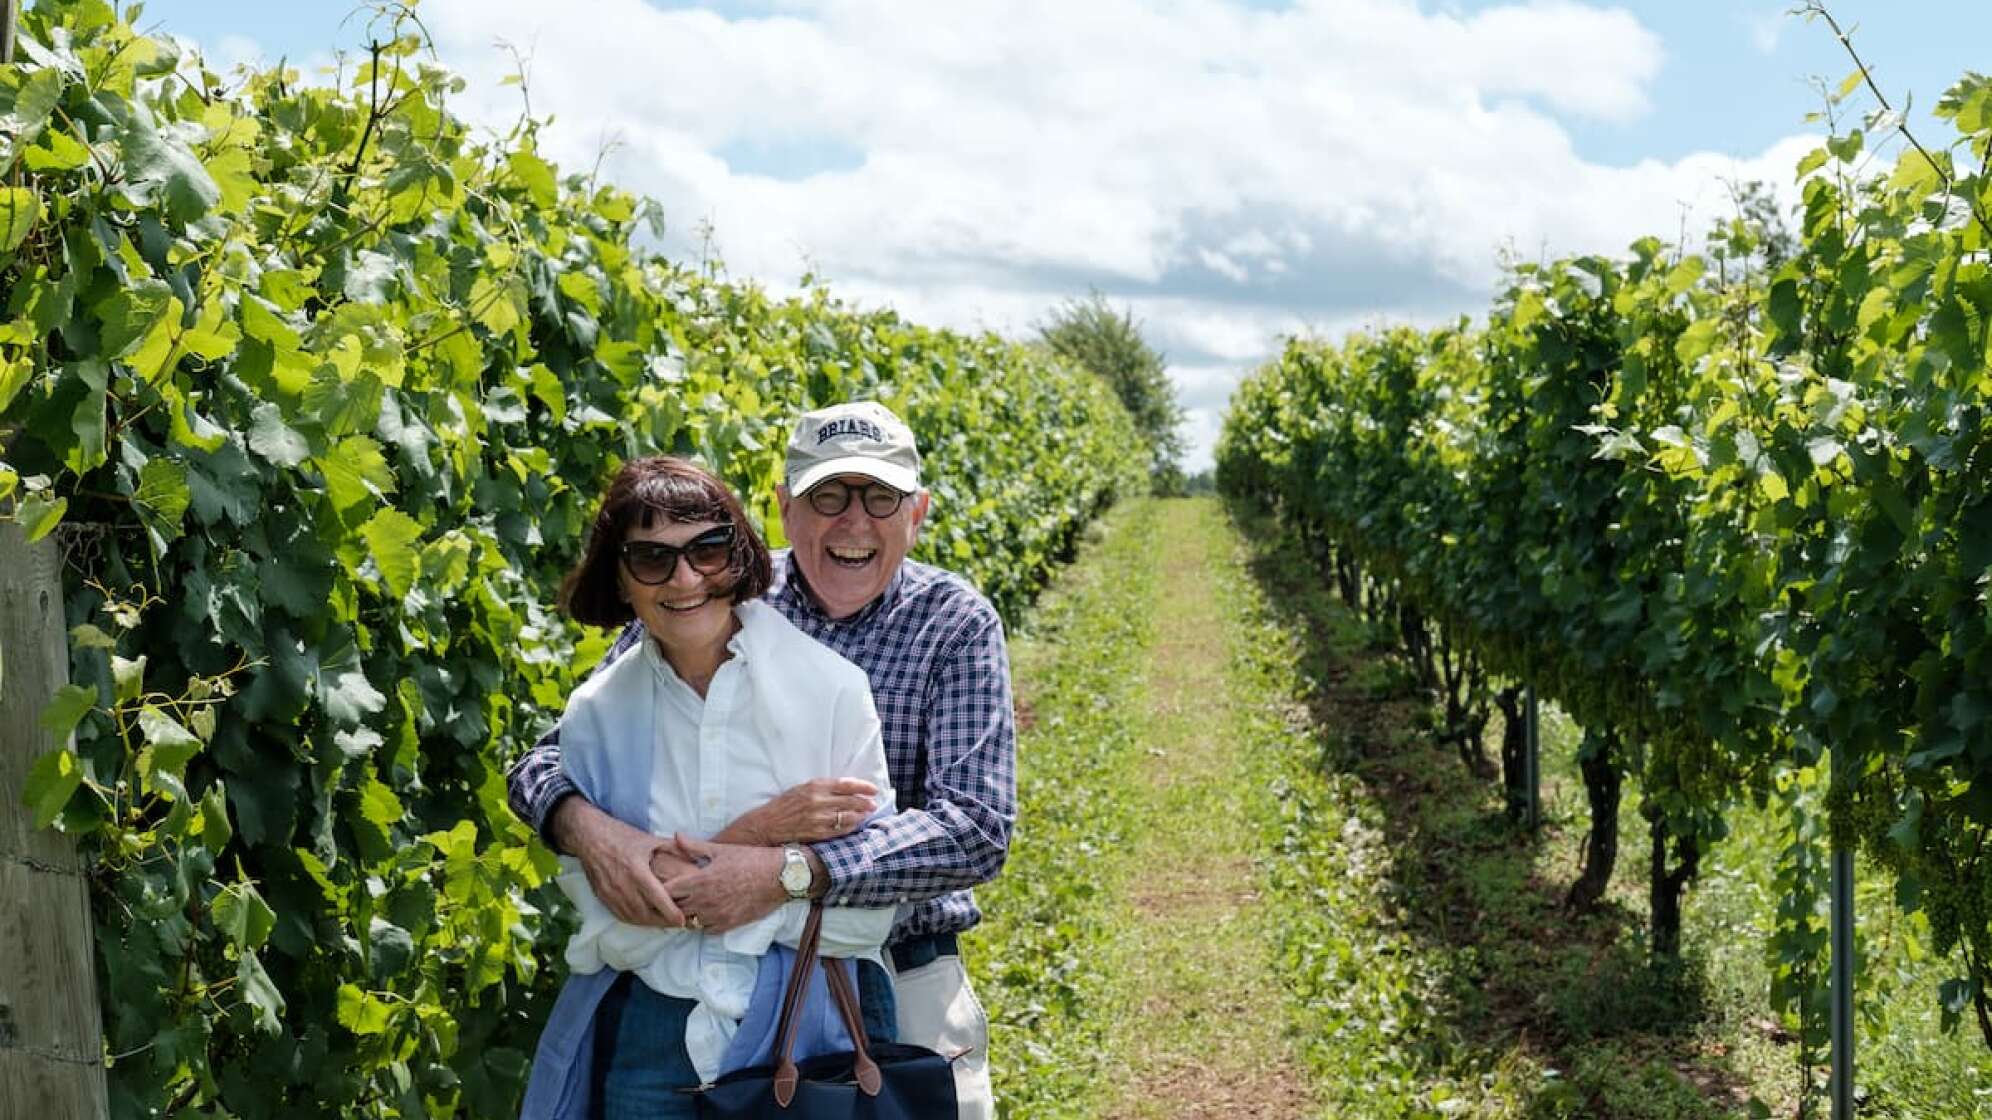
x=790 y=158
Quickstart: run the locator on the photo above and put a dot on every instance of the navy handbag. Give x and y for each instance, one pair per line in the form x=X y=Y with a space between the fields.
x=889 y=1081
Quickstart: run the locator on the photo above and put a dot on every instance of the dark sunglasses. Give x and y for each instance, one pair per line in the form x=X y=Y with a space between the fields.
x=652 y=562
x=832 y=498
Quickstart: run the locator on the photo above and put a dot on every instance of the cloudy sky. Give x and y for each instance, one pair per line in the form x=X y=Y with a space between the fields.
x=1232 y=170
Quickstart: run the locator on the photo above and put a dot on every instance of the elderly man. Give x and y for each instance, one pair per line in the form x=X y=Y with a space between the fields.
x=933 y=647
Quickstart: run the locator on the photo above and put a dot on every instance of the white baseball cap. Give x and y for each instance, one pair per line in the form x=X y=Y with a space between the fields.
x=862 y=437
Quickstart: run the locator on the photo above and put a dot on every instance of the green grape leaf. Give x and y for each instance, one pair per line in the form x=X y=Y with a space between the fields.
x=86 y=423
x=38 y=516
x=391 y=536
x=341 y=405
x=1684 y=275
x=1696 y=341
x=537 y=177
x=84 y=635
x=242 y=916
x=262 y=323
x=67 y=708
x=446 y=562
x=34 y=104
x=274 y=440
x=14 y=376
x=264 y=1002
x=163 y=495
x=379 y=804
x=355 y=473
x=234 y=176
x=362 y=1012
x=390 y=949
x=495 y=304
x=342 y=686
x=130 y=314
x=215 y=828
x=57 y=151
x=128 y=676
x=52 y=780
x=20 y=209
x=164 y=162
x=169 y=746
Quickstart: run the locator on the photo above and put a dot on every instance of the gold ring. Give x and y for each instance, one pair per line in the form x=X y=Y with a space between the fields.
x=840 y=820
x=692 y=922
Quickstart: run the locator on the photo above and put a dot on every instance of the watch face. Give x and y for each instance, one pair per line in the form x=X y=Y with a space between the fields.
x=795 y=872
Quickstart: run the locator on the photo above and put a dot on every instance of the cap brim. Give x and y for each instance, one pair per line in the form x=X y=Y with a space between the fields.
x=899 y=478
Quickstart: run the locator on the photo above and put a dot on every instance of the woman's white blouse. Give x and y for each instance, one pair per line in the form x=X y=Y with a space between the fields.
x=783 y=709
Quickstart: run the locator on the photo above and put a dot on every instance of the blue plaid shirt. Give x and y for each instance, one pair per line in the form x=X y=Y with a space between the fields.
x=940 y=675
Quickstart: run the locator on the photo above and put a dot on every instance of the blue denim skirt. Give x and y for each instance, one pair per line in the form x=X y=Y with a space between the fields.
x=642 y=1071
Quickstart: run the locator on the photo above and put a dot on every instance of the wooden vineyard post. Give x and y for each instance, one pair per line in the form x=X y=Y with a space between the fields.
x=1532 y=759
x=7 y=30
x=51 y=1032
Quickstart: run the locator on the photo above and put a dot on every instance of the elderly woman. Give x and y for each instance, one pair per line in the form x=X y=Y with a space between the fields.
x=725 y=706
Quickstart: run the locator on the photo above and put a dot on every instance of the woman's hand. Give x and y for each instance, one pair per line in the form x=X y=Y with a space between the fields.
x=618 y=860
x=667 y=864
x=819 y=809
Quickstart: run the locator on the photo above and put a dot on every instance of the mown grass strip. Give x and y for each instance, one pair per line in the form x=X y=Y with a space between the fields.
x=1195 y=959
x=1040 y=958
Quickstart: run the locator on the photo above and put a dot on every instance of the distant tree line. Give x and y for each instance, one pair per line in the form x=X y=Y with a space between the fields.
x=1093 y=335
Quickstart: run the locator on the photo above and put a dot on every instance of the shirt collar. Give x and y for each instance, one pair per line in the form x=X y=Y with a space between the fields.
x=798 y=588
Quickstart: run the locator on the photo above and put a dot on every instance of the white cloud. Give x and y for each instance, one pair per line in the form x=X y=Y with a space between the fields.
x=230 y=53
x=1223 y=265
x=1232 y=173
x=1766 y=27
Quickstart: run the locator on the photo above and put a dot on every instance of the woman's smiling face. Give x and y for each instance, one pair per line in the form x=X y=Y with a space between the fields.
x=689 y=609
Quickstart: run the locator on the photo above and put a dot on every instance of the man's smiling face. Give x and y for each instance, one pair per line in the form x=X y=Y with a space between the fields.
x=848 y=560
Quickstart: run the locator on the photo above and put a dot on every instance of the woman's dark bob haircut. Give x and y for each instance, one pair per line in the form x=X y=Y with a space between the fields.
x=646 y=489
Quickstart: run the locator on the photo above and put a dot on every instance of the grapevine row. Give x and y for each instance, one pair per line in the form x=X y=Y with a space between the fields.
x=317 y=390
x=1732 y=510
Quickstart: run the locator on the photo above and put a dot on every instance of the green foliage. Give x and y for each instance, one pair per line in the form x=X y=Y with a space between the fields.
x=1744 y=518
x=321 y=392
x=1095 y=337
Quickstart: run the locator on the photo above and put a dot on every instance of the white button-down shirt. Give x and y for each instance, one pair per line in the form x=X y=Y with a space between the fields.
x=781 y=710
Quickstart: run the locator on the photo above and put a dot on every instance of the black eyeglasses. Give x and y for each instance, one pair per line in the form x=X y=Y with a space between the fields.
x=832 y=498
x=652 y=562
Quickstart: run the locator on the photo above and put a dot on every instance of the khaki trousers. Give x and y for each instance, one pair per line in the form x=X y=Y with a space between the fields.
x=938 y=1010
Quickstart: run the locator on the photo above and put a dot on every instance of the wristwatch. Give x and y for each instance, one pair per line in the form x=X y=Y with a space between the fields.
x=796 y=878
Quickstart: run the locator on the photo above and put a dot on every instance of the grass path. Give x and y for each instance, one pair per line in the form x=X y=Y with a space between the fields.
x=1128 y=959
x=1196 y=963
x=1191 y=923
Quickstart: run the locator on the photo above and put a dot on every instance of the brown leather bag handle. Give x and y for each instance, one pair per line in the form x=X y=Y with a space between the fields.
x=805 y=961
x=869 y=1079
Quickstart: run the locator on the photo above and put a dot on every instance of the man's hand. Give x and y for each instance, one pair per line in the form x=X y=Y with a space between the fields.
x=731 y=884
x=617 y=859
x=818 y=809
